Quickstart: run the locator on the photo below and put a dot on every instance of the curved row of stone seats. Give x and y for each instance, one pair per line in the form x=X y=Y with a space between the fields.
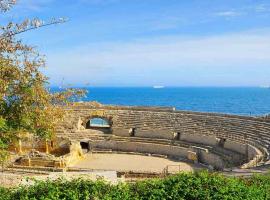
x=156 y=148
x=196 y=138
x=165 y=123
x=206 y=140
x=250 y=135
x=229 y=157
x=215 y=159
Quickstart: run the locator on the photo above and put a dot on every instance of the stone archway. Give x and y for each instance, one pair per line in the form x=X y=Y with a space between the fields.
x=98 y=123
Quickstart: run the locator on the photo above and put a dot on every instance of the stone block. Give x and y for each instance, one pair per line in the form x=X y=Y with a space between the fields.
x=121 y=132
x=192 y=156
x=199 y=139
x=155 y=133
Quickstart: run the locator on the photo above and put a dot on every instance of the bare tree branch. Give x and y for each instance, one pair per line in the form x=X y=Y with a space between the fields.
x=35 y=26
x=5 y=5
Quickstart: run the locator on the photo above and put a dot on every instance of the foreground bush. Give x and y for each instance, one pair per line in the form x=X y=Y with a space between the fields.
x=183 y=186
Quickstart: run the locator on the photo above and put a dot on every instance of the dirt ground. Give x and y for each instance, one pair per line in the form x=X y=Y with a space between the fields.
x=128 y=162
x=106 y=164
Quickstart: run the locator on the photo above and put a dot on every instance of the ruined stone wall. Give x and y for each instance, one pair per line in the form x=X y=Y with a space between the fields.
x=205 y=128
x=140 y=147
x=161 y=124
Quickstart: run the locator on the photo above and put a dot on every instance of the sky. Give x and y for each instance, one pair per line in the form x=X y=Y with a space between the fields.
x=151 y=42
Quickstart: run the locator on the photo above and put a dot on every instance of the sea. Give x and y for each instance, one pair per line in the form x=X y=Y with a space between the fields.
x=247 y=101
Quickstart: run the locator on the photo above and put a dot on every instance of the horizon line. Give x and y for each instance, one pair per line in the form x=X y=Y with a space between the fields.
x=210 y=86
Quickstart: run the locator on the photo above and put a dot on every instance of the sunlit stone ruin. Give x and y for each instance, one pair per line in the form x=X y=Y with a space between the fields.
x=118 y=142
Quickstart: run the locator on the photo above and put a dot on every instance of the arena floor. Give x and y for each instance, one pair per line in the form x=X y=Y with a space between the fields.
x=130 y=162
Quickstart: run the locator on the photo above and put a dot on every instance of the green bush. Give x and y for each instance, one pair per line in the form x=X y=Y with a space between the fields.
x=189 y=186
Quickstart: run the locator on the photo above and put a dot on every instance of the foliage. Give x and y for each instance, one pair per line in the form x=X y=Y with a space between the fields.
x=4 y=140
x=187 y=186
x=4 y=156
x=26 y=104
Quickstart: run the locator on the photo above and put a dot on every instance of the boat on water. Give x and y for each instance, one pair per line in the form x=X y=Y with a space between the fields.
x=265 y=86
x=158 y=87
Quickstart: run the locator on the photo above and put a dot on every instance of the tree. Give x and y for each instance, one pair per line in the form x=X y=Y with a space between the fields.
x=4 y=156
x=26 y=103
x=6 y=4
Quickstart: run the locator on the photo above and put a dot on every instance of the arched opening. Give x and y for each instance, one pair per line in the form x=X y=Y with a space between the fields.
x=100 y=124
x=97 y=123
x=222 y=142
x=132 y=132
x=84 y=146
x=177 y=136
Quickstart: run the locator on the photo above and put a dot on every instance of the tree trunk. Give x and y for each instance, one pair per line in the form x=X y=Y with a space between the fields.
x=20 y=147
x=47 y=147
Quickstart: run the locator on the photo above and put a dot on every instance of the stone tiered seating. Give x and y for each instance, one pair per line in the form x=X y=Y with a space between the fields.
x=243 y=130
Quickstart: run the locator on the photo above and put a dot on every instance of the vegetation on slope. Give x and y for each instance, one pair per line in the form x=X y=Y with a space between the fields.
x=26 y=104
x=183 y=186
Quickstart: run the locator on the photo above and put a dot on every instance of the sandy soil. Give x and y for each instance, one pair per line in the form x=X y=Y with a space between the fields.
x=110 y=163
x=136 y=163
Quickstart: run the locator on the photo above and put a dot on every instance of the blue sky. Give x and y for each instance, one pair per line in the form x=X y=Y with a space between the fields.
x=152 y=42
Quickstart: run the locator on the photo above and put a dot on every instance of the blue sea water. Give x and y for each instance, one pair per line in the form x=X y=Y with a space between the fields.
x=240 y=101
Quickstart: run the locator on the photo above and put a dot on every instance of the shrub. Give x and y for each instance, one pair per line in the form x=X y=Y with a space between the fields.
x=189 y=186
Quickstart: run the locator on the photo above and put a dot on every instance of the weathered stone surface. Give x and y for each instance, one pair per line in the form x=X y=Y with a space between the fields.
x=167 y=123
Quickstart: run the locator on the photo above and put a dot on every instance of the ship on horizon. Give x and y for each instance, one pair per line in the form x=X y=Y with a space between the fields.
x=265 y=86
x=158 y=86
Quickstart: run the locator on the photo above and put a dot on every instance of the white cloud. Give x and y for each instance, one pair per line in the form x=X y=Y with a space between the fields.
x=33 y=5
x=166 y=59
x=262 y=8
x=99 y=2
x=229 y=13
x=245 y=10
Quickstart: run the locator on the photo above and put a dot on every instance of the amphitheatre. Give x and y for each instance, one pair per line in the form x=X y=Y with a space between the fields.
x=132 y=142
